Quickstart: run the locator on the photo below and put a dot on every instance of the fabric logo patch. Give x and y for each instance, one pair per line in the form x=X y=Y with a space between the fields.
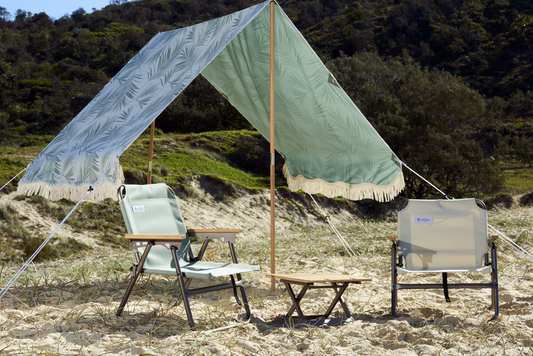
x=423 y=220
x=138 y=209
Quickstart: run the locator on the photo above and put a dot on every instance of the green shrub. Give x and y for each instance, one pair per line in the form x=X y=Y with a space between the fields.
x=30 y=244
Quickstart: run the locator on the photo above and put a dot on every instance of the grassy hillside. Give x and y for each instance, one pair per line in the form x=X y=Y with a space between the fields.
x=229 y=158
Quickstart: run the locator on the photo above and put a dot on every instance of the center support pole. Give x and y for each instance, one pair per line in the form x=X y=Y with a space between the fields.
x=150 y=153
x=272 y=160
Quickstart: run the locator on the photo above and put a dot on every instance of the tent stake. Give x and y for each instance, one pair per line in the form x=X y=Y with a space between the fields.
x=150 y=153
x=272 y=161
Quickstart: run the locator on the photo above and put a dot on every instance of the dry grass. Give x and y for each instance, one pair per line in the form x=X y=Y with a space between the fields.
x=68 y=306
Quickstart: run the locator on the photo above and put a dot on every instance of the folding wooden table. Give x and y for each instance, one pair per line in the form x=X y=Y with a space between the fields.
x=336 y=281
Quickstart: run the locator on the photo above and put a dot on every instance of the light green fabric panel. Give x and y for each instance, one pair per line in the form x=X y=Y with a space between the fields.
x=443 y=235
x=328 y=145
x=204 y=270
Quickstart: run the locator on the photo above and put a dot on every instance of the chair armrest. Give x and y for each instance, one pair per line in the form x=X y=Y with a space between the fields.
x=393 y=238
x=494 y=238
x=141 y=240
x=148 y=237
x=223 y=235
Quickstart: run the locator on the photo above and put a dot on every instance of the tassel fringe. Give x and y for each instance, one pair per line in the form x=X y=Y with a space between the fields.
x=65 y=191
x=349 y=191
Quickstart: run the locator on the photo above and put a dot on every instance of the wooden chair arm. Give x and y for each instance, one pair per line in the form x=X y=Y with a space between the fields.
x=143 y=240
x=494 y=238
x=222 y=235
x=393 y=238
x=149 y=237
x=198 y=231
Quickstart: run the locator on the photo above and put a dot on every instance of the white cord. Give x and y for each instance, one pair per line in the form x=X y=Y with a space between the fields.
x=13 y=178
x=23 y=268
x=425 y=180
x=513 y=244
x=335 y=231
x=8 y=285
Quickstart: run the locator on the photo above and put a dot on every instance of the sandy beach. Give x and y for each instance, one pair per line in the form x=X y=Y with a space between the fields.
x=68 y=306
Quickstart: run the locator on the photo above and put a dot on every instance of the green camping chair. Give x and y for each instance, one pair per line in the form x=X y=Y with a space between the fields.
x=160 y=239
x=442 y=236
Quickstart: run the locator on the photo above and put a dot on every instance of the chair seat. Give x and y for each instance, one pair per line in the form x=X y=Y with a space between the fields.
x=204 y=270
x=485 y=269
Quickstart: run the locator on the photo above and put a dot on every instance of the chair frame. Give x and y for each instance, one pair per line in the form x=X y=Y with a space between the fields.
x=493 y=285
x=173 y=243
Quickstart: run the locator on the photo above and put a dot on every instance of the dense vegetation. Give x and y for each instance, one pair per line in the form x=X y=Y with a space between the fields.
x=429 y=109
x=451 y=76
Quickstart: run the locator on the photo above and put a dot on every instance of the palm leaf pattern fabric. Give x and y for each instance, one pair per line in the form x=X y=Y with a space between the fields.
x=328 y=145
x=85 y=152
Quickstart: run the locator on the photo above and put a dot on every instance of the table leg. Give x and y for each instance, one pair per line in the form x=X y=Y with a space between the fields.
x=296 y=300
x=338 y=298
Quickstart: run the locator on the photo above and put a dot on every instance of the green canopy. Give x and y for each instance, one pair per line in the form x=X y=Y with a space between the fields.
x=328 y=145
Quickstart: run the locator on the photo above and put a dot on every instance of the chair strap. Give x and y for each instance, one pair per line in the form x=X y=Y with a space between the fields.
x=235 y=289
x=445 y=286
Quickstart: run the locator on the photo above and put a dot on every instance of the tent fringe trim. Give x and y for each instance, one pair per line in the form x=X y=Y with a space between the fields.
x=349 y=191
x=65 y=191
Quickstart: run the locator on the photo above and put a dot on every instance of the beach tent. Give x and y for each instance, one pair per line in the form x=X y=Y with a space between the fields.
x=328 y=145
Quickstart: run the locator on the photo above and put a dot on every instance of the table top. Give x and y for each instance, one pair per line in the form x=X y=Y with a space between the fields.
x=318 y=277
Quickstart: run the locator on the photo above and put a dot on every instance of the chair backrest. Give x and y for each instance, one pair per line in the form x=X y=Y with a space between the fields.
x=153 y=209
x=438 y=235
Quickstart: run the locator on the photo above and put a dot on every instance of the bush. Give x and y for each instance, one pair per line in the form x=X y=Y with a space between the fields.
x=434 y=123
x=523 y=149
x=252 y=153
x=30 y=244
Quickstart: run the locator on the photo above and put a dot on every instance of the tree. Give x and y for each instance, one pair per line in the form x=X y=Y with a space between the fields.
x=5 y=16
x=430 y=119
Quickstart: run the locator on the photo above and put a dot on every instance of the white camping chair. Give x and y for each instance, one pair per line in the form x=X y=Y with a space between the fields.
x=441 y=236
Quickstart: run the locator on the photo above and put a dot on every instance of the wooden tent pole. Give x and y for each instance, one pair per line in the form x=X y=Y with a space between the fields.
x=150 y=153
x=272 y=155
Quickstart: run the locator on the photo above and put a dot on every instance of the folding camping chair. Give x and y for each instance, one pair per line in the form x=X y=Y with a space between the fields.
x=158 y=235
x=442 y=236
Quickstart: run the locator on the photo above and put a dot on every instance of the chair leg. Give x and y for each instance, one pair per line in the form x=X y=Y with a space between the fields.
x=184 y=291
x=244 y=298
x=239 y=278
x=135 y=274
x=180 y=298
x=201 y=253
x=495 y=299
x=394 y=281
x=445 y=286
